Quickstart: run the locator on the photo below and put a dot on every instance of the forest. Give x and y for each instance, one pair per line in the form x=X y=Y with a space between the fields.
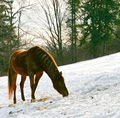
x=71 y=30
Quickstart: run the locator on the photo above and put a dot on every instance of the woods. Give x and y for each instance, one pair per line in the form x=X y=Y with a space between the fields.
x=8 y=38
x=99 y=24
x=72 y=30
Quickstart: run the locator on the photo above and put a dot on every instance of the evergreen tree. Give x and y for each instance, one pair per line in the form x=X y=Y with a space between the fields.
x=8 y=38
x=99 y=20
x=72 y=24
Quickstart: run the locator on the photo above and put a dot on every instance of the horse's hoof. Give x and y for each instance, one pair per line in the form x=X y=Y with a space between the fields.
x=23 y=99
x=33 y=100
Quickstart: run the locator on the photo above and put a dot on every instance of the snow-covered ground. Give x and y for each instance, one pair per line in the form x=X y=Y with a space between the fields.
x=94 y=92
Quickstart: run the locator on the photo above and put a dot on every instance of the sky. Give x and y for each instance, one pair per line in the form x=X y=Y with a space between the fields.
x=94 y=92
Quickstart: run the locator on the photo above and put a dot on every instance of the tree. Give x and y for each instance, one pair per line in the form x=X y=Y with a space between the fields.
x=99 y=20
x=21 y=12
x=53 y=26
x=8 y=38
x=72 y=24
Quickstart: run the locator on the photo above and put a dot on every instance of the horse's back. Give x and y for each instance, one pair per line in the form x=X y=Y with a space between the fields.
x=34 y=60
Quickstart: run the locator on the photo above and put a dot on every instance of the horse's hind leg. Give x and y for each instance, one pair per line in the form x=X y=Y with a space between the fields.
x=23 y=78
x=14 y=87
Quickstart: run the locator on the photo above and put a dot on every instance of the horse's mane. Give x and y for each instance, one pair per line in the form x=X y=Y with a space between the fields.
x=36 y=48
x=50 y=57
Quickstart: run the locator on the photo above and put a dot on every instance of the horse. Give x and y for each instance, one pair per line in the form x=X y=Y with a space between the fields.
x=33 y=62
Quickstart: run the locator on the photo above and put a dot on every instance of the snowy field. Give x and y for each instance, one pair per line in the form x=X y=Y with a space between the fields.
x=94 y=92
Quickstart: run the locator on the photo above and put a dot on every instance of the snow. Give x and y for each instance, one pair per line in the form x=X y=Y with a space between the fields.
x=94 y=92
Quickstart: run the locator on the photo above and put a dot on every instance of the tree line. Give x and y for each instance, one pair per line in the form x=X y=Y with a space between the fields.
x=74 y=30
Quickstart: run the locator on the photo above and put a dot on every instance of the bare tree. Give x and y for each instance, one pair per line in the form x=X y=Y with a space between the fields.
x=53 y=26
x=20 y=12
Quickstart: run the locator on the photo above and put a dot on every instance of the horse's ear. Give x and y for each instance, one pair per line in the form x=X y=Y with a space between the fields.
x=60 y=72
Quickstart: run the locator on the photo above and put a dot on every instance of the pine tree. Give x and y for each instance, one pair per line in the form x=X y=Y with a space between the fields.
x=8 y=38
x=72 y=24
x=99 y=18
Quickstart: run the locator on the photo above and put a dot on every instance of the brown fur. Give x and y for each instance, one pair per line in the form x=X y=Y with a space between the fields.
x=33 y=62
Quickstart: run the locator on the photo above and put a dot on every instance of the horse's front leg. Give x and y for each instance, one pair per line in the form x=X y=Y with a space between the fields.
x=32 y=85
x=23 y=78
x=37 y=78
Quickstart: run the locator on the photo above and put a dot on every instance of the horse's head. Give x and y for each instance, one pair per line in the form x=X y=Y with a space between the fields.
x=59 y=85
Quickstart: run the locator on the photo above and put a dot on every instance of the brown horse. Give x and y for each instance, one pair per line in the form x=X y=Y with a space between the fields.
x=32 y=63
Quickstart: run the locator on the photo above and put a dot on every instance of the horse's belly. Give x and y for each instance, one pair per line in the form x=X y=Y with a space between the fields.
x=21 y=71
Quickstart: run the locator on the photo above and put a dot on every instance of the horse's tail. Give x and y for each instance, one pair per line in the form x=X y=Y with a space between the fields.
x=10 y=89
x=11 y=83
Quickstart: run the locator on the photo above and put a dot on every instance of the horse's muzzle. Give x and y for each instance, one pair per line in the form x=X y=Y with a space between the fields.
x=66 y=94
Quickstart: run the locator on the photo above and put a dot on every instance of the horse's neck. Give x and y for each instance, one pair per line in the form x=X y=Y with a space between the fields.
x=53 y=73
